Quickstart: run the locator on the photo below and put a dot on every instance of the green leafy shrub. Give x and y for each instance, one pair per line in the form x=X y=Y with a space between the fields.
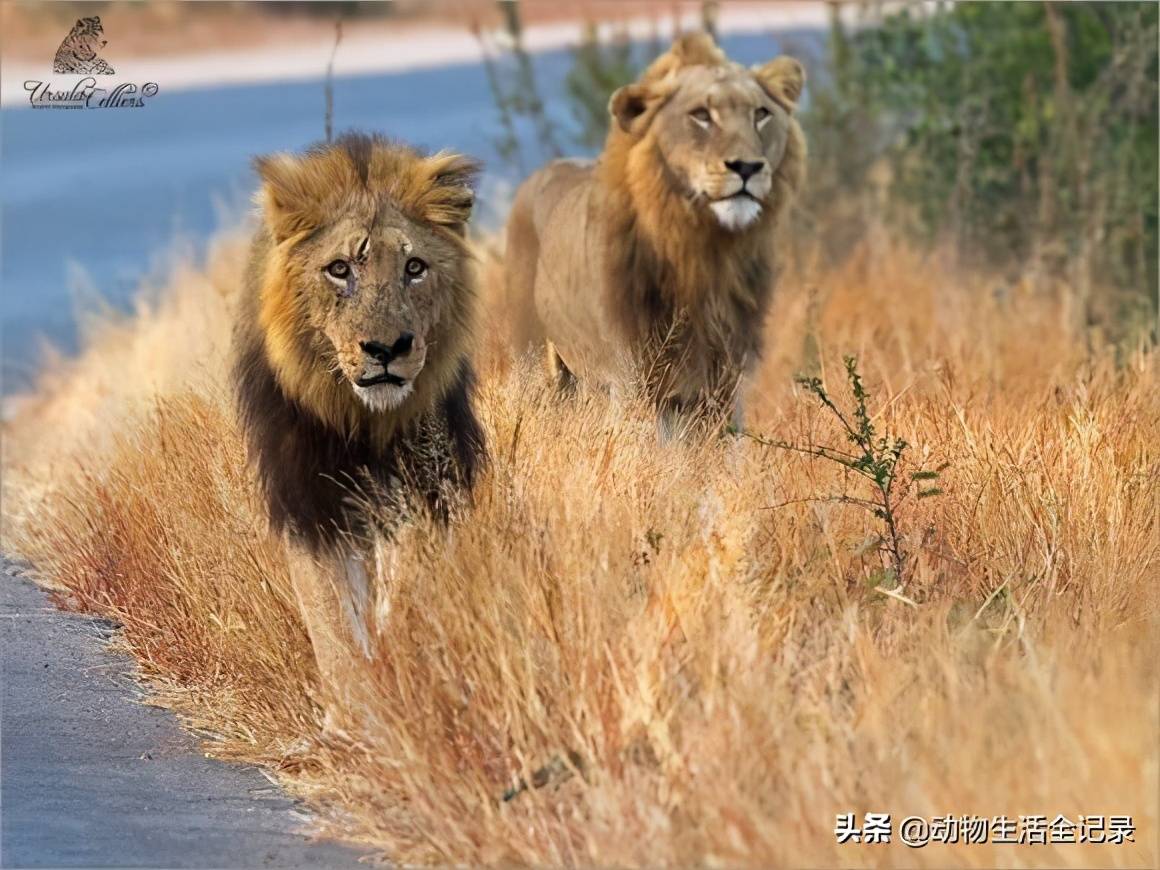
x=1023 y=133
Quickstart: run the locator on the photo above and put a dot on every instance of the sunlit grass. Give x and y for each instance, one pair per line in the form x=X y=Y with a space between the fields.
x=659 y=655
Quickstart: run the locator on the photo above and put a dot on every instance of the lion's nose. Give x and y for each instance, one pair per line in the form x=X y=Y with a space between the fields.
x=376 y=349
x=403 y=343
x=385 y=353
x=745 y=168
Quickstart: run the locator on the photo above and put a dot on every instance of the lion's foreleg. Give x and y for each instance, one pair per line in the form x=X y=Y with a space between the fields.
x=737 y=418
x=333 y=595
x=673 y=420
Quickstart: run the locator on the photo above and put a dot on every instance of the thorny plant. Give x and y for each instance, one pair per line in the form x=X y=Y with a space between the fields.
x=875 y=457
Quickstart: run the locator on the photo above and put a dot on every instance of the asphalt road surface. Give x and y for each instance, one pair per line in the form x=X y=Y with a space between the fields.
x=94 y=202
x=90 y=778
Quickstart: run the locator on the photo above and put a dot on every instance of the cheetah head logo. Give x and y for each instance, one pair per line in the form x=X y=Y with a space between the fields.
x=78 y=53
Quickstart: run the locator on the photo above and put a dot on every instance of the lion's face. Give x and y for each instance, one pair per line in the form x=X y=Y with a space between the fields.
x=372 y=275
x=376 y=287
x=718 y=132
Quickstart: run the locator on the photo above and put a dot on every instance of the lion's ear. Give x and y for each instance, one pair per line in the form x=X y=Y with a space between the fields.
x=628 y=104
x=289 y=204
x=450 y=197
x=783 y=79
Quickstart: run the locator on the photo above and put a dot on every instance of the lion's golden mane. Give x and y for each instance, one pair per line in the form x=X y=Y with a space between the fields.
x=617 y=250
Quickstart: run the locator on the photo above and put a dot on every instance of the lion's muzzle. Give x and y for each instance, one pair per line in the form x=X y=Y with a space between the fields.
x=376 y=370
x=386 y=373
x=738 y=203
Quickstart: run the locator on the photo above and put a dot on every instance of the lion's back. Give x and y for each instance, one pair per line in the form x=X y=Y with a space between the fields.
x=543 y=203
x=552 y=187
x=556 y=254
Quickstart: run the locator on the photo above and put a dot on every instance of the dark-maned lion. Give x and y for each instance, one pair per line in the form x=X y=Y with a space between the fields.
x=656 y=262
x=351 y=356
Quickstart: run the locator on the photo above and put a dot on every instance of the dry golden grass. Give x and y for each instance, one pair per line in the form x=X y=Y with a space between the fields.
x=682 y=672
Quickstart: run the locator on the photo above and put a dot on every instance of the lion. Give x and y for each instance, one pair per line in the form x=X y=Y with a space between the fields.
x=351 y=360
x=655 y=264
x=78 y=51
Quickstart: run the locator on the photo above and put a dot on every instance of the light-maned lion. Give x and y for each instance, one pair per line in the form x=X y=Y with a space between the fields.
x=656 y=262
x=351 y=363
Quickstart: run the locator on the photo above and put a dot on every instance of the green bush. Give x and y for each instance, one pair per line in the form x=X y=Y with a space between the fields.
x=1024 y=133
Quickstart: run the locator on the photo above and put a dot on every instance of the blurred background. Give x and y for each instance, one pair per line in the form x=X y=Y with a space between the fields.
x=1015 y=138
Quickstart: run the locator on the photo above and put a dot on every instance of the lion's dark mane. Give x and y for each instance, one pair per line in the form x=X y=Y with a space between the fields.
x=314 y=478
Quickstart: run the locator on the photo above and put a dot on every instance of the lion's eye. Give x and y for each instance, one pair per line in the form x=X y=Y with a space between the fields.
x=339 y=269
x=415 y=268
x=701 y=116
x=762 y=115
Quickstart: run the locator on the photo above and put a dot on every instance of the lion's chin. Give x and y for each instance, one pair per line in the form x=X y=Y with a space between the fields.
x=737 y=212
x=383 y=397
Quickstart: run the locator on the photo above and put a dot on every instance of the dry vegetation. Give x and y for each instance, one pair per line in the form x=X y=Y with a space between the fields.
x=684 y=657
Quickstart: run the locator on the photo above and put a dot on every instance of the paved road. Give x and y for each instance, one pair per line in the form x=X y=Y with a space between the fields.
x=90 y=778
x=93 y=202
